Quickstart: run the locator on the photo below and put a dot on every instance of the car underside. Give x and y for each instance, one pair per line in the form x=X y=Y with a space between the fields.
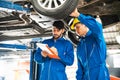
x=24 y=19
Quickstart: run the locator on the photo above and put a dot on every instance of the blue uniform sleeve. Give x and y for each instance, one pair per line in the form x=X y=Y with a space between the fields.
x=38 y=57
x=94 y=26
x=68 y=57
x=79 y=72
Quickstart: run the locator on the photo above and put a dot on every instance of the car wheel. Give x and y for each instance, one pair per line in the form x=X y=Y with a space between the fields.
x=55 y=8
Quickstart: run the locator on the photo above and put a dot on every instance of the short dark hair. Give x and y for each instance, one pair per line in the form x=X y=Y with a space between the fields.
x=77 y=23
x=58 y=24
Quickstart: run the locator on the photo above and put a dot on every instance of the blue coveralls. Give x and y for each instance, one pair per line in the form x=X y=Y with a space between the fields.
x=54 y=69
x=91 y=52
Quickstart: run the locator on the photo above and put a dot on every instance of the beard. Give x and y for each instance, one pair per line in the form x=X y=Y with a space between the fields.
x=56 y=36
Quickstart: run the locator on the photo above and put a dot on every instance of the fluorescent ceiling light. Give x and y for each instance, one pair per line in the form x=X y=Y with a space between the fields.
x=113 y=51
x=118 y=39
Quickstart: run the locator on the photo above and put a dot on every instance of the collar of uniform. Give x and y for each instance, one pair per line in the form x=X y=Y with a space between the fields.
x=60 y=38
x=88 y=33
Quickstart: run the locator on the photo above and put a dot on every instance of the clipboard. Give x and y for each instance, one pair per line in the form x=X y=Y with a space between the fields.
x=44 y=47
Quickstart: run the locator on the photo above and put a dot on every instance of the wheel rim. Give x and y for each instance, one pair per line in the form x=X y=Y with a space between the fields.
x=50 y=4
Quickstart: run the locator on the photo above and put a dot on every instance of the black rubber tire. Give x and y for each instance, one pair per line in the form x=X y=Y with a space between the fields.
x=60 y=12
x=73 y=38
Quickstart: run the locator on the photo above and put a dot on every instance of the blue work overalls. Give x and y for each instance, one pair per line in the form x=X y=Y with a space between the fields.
x=54 y=69
x=91 y=52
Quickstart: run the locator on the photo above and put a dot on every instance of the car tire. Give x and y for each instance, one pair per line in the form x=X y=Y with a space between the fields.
x=73 y=38
x=62 y=10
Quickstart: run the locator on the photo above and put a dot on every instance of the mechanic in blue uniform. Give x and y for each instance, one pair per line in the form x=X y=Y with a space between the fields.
x=91 y=50
x=54 y=68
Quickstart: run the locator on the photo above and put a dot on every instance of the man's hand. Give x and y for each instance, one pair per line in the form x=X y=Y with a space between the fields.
x=44 y=53
x=75 y=13
x=55 y=53
x=54 y=50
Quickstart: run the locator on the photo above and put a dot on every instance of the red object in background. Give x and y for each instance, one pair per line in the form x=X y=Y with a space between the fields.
x=114 y=78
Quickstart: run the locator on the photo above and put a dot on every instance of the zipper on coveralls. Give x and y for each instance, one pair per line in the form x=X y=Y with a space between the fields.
x=50 y=65
x=87 y=58
x=49 y=70
x=88 y=75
